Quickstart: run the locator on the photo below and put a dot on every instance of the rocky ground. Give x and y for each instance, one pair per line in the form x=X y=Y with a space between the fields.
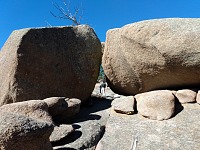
x=89 y=123
x=178 y=133
x=98 y=124
x=108 y=122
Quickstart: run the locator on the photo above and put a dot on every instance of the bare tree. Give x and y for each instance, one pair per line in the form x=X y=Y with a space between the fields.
x=66 y=13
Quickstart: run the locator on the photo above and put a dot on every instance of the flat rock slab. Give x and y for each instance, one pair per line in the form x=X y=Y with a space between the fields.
x=181 y=132
x=89 y=125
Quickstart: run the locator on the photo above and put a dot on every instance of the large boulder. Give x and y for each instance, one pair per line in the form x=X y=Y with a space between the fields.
x=47 y=62
x=19 y=132
x=153 y=54
x=158 y=105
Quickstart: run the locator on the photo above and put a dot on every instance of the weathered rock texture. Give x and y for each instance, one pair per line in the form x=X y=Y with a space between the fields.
x=63 y=109
x=49 y=62
x=158 y=105
x=74 y=105
x=56 y=106
x=36 y=109
x=73 y=108
x=181 y=132
x=153 y=54
x=19 y=132
x=124 y=105
x=186 y=96
x=61 y=132
x=89 y=126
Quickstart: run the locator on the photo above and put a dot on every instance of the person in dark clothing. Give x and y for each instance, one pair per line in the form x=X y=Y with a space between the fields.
x=103 y=86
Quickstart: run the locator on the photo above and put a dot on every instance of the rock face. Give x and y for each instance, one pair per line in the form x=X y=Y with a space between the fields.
x=158 y=105
x=186 y=96
x=103 y=46
x=153 y=54
x=178 y=133
x=124 y=105
x=47 y=62
x=36 y=109
x=19 y=132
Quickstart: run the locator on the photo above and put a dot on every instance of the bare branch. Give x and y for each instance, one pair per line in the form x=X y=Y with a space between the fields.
x=48 y=24
x=65 y=13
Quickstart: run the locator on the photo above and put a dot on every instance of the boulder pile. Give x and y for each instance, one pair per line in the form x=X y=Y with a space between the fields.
x=155 y=105
x=61 y=63
x=34 y=124
x=152 y=67
x=156 y=62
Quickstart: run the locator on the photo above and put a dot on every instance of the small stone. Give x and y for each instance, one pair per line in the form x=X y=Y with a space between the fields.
x=56 y=106
x=124 y=105
x=157 y=105
x=72 y=109
x=186 y=96
x=60 y=132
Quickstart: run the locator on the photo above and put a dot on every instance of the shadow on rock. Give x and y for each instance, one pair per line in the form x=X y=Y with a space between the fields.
x=87 y=117
x=76 y=126
x=88 y=112
x=178 y=107
x=95 y=104
x=69 y=139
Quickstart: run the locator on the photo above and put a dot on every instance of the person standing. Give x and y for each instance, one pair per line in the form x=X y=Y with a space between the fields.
x=103 y=86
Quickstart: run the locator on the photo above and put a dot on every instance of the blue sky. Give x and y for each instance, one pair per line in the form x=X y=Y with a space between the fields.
x=102 y=15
